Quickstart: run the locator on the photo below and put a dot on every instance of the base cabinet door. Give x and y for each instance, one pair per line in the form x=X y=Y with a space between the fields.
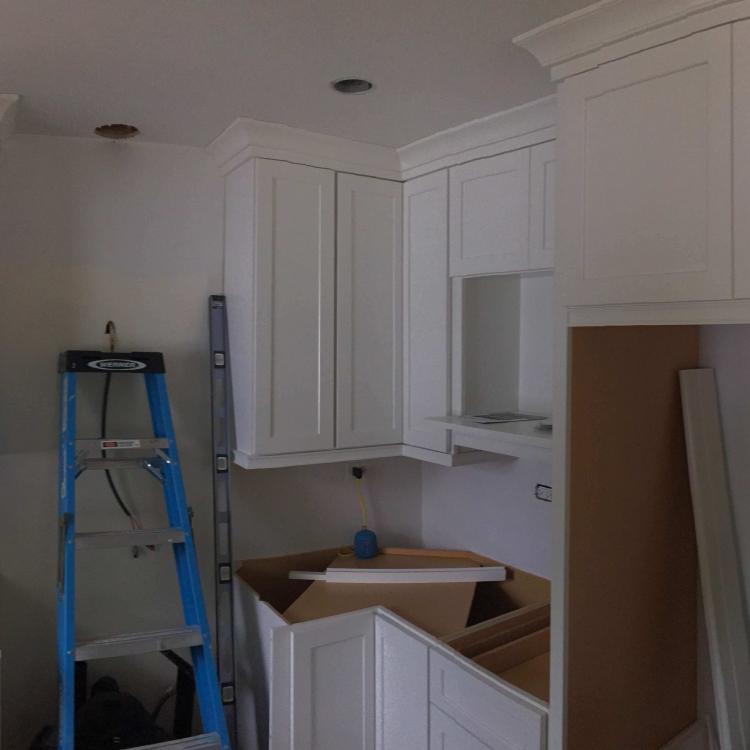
x=323 y=684
x=645 y=190
x=401 y=702
x=426 y=310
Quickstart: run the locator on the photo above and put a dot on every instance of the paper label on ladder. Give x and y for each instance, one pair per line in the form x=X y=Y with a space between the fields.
x=111 y=444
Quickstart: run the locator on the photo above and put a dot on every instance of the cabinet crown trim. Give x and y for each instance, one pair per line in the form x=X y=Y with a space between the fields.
x=588 y=30
x=526 y=125
x=246 y=138
x=8 y=108
x=519 y=127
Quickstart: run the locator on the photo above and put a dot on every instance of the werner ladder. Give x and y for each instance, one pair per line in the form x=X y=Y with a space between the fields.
x=163 y=463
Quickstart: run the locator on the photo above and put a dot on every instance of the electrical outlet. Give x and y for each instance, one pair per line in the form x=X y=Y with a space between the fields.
x=543 y=492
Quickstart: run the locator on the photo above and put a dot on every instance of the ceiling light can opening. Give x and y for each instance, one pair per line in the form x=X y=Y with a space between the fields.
x=352 y=85
x=117 y=131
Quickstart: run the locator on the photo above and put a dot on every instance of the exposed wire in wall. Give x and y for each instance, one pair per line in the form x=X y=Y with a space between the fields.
x=110 y=331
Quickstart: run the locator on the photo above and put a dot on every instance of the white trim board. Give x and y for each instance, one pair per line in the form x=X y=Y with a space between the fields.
x=403 y=575
x=577 y=41
x=721 y=573
x=8 y=108
x=520 y=127
x=246 y=138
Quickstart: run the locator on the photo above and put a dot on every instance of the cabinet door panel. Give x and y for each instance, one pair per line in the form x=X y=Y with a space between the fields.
x=446 y=734
x=368 y=352
x=294 y=353
x=326 y=668
x=645 y=165
x=401 y=705
x=496 y=716
x=427 y=310
x=542 y=206
x=489 y=215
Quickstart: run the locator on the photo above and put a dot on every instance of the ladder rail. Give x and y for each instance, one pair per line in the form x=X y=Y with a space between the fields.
x=66 y=639
x=195 y=633
x=193 y=606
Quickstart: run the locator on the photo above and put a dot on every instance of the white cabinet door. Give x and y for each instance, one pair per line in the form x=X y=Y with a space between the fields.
x=427 y=310
x=446 y=734
x=742 y=159
x=644 y=153
x=542 y=206
x=490 y=713
x=489 y=215
x=323 y=684
x=401 y=701
x=295 y=286
x=369 y=299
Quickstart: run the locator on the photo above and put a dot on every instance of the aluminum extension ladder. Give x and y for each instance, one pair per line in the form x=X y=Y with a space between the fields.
x=75 y=458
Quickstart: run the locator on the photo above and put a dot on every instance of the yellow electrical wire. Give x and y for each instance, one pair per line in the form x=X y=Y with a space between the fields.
x=361 y=499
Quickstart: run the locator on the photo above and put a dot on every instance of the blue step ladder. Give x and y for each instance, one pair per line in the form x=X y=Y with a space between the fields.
x=77 y=456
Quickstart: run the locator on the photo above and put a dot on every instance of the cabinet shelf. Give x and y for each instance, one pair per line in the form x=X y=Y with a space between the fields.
x=515 y=439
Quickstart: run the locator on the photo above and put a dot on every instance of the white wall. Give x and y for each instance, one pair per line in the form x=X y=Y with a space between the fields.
x=285 y=511
x=91 y=230
x=489 y=508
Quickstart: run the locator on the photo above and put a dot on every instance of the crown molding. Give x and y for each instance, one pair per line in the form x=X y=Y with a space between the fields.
x=246 y=138
x=580 y=35
x=8 y=108
x=509 y=130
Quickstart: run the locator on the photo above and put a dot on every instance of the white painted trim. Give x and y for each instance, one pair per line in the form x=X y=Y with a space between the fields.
x=246 y=138
x=403 y=575
x=695 y=737
x=520 y=127
x=8 y=109
x=588 y=30
x=463 y=458
x=526 y=125
x=720 y=567
x=723 y=312
x=246 y=461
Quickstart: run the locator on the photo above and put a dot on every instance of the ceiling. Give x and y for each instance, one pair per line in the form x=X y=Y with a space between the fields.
x=182 y=70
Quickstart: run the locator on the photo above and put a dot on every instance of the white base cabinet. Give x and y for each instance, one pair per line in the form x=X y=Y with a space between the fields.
x=370 y=680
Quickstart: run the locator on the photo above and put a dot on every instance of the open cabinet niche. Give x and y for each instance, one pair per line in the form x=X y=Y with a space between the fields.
x=502 y=361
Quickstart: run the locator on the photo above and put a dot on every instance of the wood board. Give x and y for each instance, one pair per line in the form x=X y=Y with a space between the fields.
x=631 y=580
x=438 y=608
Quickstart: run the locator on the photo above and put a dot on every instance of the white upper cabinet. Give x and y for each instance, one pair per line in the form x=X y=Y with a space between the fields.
x=426 y=310
x=645 y=190
x=369 y=299
x=280 y=283
x=543 y=172
x=489 y=215
x=742 y=159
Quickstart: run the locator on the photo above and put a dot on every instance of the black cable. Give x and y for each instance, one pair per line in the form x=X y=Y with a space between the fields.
x=103 y=433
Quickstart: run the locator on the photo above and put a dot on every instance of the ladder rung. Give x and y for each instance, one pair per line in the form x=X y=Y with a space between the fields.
x=111 y=444
x=117 y=463
x=199 y=742
x=139 y=643
x=128 y=538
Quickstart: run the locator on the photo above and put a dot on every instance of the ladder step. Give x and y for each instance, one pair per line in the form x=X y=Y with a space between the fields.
x=128 y=538
x=117 y=463
x=199 y=742
x=111 y=444
x=139 y=643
